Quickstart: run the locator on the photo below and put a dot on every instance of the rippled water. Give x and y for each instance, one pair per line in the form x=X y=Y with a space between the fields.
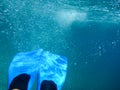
x=85 y=31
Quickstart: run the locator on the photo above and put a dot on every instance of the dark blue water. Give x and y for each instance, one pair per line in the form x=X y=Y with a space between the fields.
x=86 y=32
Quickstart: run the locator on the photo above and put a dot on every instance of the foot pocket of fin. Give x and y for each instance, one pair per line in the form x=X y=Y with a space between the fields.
x=20 y=82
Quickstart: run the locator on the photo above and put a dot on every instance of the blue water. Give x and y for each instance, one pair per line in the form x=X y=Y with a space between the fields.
x=87 y=32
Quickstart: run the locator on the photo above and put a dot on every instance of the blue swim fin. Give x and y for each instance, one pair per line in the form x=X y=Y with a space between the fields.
x=24 y=63
x=52 y=68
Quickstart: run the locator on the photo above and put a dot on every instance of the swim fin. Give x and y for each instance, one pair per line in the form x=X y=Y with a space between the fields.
x=24 y=65
x=52 y=68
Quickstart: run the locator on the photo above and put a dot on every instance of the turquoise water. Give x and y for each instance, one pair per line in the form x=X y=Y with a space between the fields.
x=87 y=32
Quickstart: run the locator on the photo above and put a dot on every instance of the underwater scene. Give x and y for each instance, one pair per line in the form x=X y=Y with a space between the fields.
x=87 y=32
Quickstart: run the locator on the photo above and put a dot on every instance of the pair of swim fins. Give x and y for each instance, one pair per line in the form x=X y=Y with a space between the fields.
x=50 y=69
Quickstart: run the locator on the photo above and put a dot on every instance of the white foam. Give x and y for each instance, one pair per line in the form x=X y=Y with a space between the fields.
x=66 y=17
